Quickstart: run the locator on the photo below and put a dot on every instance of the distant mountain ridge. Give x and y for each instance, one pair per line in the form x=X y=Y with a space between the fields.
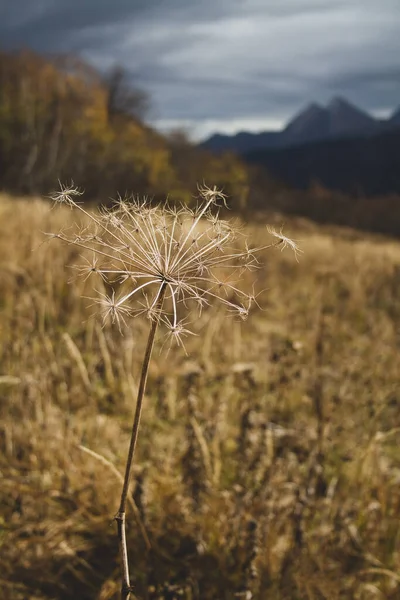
x=339 y=119
x=368 y=165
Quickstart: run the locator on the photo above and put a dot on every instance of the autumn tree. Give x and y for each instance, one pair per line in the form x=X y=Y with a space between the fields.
x=61 y=119
x=124 y=99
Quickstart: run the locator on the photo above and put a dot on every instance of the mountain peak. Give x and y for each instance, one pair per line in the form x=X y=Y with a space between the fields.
x=309 y=124
x=338 y=119
x=314 y=107
x=311 y=109
x=347 y=119
x=339 y=102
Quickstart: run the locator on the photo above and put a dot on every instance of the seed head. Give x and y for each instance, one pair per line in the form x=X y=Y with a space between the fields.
x=143 y=251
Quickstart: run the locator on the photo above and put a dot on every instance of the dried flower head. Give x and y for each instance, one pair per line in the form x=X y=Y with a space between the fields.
x=166 y=252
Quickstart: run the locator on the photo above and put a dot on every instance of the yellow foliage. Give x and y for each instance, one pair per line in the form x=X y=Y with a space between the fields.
x=58 y=121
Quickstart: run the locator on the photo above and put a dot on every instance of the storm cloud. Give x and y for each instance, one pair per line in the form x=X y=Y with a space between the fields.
x=226 y=64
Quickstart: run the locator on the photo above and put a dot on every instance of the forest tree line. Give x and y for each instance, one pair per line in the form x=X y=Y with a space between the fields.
x=60 y=119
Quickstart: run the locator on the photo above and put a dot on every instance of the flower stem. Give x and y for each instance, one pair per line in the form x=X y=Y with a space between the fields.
x=126 y=587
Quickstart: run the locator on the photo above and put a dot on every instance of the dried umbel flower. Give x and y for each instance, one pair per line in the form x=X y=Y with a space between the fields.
x=177 y=254
x=155 y=259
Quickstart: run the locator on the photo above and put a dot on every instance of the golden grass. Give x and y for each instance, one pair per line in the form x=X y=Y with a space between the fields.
x=268 y=460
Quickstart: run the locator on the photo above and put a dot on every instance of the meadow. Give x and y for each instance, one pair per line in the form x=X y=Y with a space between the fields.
x=267 y=464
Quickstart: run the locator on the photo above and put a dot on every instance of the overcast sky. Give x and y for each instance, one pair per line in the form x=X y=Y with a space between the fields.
x=226 y=65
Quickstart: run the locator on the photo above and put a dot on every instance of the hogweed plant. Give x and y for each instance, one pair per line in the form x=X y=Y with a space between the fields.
x=158 y=259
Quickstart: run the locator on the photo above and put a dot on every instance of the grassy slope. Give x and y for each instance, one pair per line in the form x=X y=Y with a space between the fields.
x=267 y=460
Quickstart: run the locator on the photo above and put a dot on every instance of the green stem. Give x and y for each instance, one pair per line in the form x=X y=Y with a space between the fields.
x=126 y=588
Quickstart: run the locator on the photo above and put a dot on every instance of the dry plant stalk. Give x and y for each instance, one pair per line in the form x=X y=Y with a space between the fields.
x=162 y=257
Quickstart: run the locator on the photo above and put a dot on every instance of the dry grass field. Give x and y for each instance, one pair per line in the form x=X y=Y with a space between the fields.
x=268 y=461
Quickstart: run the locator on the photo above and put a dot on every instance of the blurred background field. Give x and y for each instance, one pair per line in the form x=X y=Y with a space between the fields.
x=268 y=459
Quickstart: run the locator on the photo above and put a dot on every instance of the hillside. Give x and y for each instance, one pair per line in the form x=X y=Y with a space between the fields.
x=338 y=146
x=358 y=166
x=268 y=457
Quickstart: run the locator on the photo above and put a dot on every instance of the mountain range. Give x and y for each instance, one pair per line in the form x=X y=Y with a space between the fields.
x=315 y=123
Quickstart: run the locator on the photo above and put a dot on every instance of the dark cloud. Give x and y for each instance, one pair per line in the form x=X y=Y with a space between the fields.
x=227 y=61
